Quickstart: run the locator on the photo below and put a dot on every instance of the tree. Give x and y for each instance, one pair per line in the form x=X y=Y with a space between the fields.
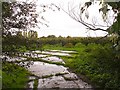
x=51 y=36
x=19 y=34
x=14 y=15
x=32 y=34
x=81 y=15
x=21 y=15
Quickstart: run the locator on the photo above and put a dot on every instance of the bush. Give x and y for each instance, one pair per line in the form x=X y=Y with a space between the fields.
x=79 y=45
x=68 y=45
x=97 y=62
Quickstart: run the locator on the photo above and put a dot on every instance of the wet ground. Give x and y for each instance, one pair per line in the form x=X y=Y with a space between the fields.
x=46 y=75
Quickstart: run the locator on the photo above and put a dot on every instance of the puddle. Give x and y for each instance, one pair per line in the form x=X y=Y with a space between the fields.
x=32 y=77
x=40 y=55
x=62 y=51
x=12 y=59
x=49 y=75
x=41 y=69
x=60 y=82
x=31 y=84
x=68 y=51
x=54 y=59
x=56 y=53
x=37 y=51
x=70 y=76
x=56 y=82
x=33 y=54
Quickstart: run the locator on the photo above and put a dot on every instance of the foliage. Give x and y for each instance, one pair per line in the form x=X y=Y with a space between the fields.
x=32 y=34
x=99 y=66
x=95 y=63
x=13 y=76
x=68 y=45
x=15 y=15
x=19 y=44
x=73 y=40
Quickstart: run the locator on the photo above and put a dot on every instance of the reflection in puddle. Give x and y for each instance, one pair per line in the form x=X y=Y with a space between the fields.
x=56 y=53
x=56 y=82
x=12 y=59
x=54 y=59
x=31 y=84
x=41 y=69
x=62 y=51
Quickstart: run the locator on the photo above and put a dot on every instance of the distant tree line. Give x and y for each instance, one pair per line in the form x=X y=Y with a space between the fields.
x=52 y=40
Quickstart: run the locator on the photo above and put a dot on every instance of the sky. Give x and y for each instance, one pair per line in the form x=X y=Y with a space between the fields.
x=61 y=24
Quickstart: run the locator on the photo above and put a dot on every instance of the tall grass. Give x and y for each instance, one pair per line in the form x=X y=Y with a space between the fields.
x=14 y=76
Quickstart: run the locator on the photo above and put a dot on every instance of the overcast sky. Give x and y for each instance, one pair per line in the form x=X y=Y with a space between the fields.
x=61 y=24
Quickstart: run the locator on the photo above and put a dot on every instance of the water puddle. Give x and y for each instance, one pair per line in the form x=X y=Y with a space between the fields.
x=56 y=82
x=55 y=53
x=33 y=54
x=41 y=69
x=62 y=51
x=31 y=84
x=12 y=59
x=49 y=75
x=54 y=59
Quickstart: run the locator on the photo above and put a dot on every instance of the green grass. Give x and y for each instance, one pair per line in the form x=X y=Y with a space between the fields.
x=35 y=84
x=14 y=76
x=94 y=63
x=77 y=48
x=0 y=79
x=47 y=76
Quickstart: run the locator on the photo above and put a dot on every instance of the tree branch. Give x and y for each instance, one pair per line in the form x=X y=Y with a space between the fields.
x=89 y=26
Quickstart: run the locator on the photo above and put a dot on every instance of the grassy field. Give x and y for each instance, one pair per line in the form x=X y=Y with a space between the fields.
x=94 y=63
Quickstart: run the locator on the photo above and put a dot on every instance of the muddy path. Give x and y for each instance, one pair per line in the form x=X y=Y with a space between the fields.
x=47 y=75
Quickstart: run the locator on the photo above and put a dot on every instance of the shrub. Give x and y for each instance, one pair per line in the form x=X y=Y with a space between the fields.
x=68 y=45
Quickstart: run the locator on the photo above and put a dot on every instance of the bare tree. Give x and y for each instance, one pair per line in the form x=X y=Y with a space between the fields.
x=111 y=24
x=81 y=14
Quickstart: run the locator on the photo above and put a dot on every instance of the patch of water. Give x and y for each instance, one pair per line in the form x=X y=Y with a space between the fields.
x=62 y=51
x=34 y=55
x=36 y=51
x=56 y=53
x=12 y=59
x=56 y=82
x=54 y=59
x=41 y=69
x=31 y=84
x=71 y=76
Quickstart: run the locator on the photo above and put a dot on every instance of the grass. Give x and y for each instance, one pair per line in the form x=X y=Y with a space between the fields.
x=0 y=79
x=94 y=63
x=14 y=76
x=47 y=76
x=35 y=84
